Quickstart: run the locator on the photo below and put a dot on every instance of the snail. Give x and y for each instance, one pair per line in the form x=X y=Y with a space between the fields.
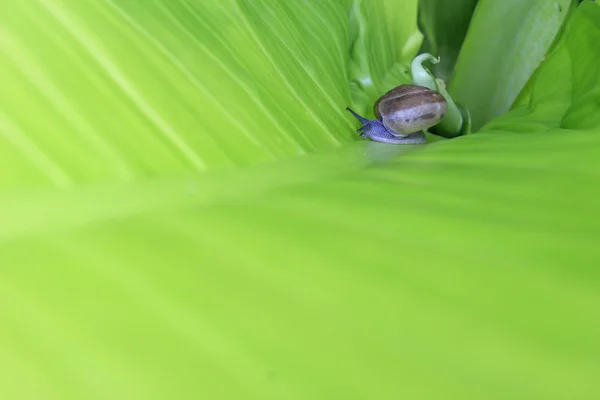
x=402 y=114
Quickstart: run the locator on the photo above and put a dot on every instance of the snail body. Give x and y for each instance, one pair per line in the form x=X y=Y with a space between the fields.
x=402 y=114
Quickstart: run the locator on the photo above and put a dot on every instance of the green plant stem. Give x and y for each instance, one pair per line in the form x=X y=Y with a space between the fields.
x=451 y=125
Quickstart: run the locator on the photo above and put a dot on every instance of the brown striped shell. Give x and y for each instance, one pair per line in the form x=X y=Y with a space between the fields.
x=408 y=108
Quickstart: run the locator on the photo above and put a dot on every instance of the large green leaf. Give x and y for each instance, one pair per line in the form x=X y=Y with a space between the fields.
x=461 y=269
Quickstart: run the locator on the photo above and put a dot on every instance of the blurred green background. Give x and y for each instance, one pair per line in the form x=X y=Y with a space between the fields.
x=187 y=212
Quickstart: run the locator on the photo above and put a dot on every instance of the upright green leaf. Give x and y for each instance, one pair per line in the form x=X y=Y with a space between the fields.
x=444 y=25
x=565 y=91
x=505 y=43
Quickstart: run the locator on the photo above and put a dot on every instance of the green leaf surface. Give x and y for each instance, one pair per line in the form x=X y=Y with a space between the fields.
x=506 y=42
x=461 y=269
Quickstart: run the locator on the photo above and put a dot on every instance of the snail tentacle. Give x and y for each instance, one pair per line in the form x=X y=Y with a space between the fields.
x=363 y=120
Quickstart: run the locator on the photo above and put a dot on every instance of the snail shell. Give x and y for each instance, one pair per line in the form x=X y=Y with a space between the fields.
x=408 y=108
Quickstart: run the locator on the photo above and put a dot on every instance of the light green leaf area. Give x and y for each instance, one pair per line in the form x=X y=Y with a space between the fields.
x=463 y=269
x=117 y=90
x=504 y=45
